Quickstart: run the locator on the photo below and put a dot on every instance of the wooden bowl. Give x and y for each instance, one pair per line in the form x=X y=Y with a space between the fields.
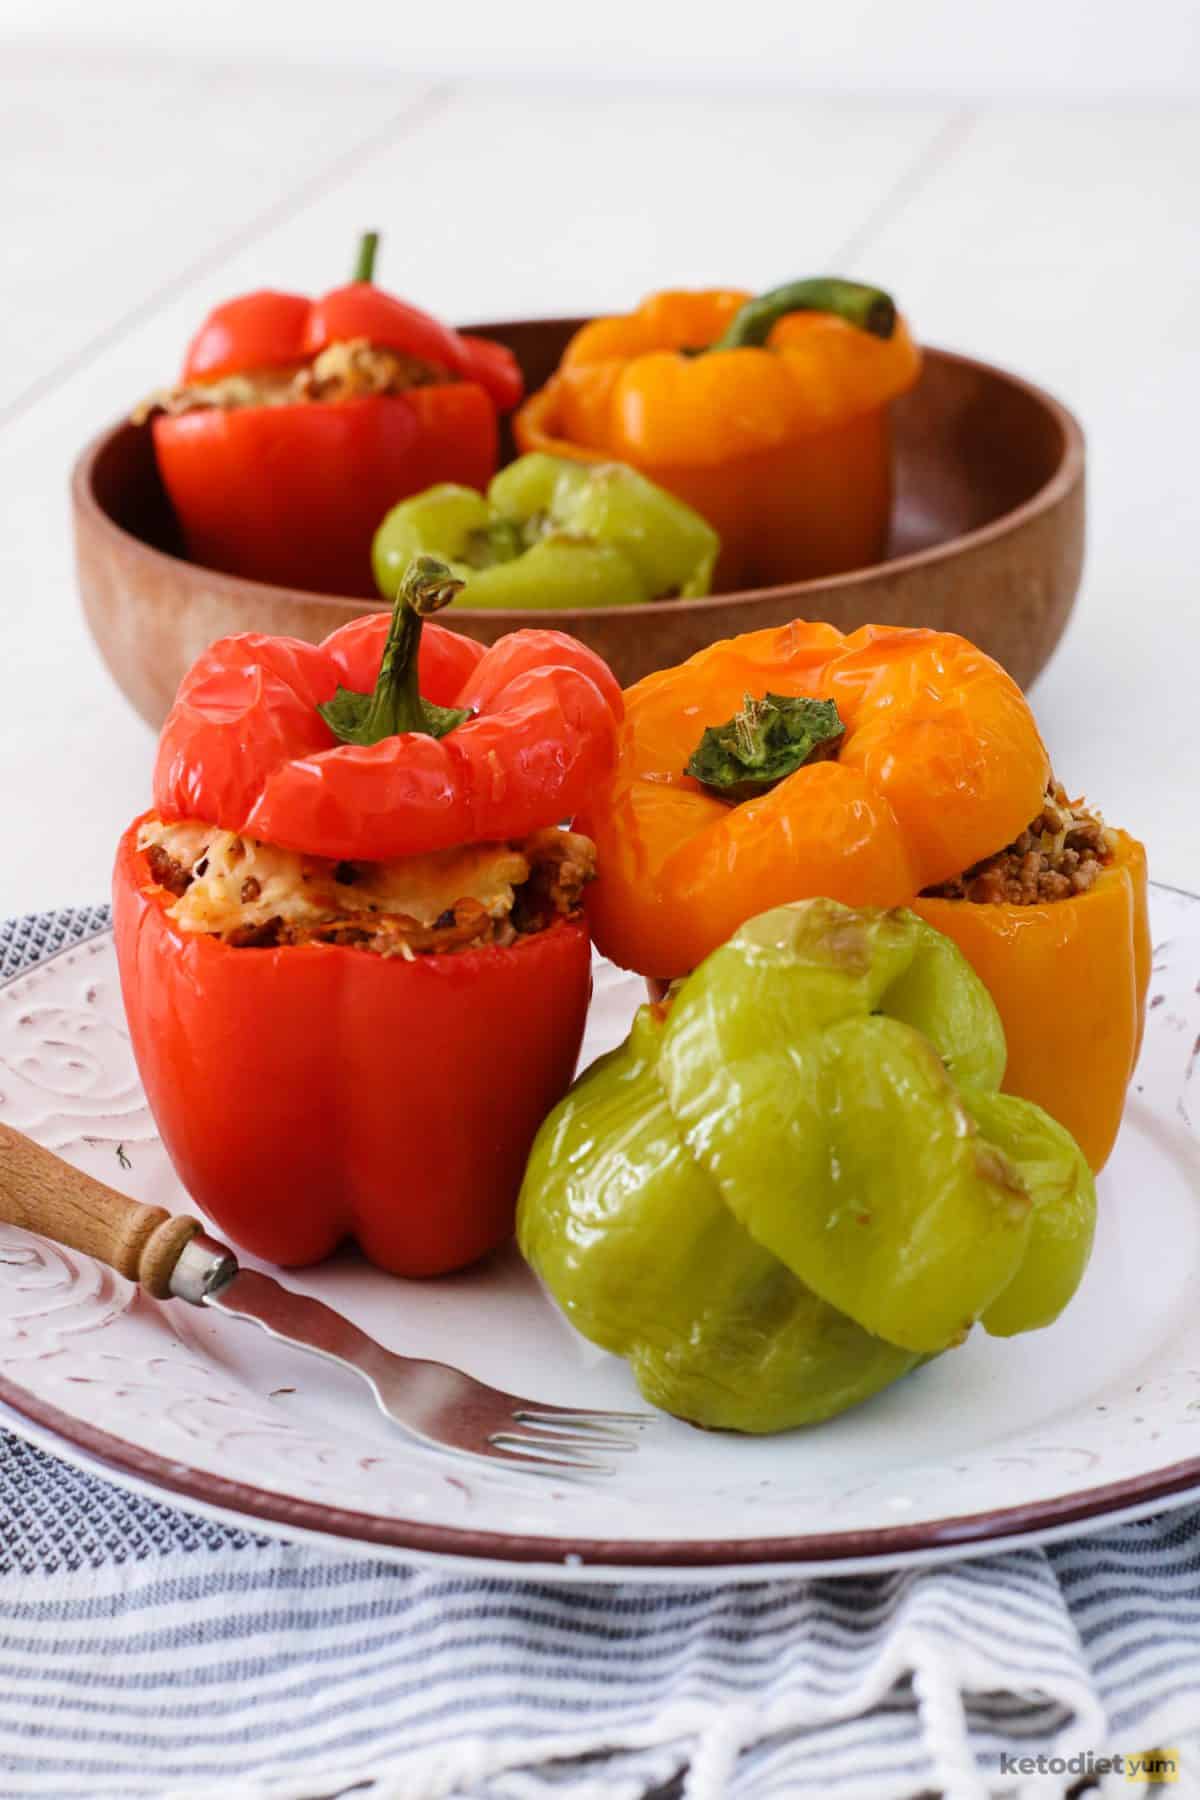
x=987 y=540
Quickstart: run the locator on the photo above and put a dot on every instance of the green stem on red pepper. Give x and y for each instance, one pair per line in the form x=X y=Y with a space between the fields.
x=396 y=705
x=764 y=743
x=364 y=266
x=867 y=308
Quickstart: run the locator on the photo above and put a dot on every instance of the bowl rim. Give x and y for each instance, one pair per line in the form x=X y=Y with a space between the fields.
x=1065 y=477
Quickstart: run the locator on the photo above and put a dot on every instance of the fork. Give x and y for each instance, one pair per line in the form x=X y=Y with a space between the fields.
x=172 y=1258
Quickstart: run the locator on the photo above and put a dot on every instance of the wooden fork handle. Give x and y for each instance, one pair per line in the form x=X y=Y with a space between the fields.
x=40 y=1192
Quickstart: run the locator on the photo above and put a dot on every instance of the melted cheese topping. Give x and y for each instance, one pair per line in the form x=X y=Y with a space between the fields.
x=238 y=882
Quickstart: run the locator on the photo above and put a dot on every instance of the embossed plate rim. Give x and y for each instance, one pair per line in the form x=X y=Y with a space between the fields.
x=679 y=1565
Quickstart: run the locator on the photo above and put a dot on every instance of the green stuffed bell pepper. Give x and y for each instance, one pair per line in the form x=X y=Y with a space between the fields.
x=550 y=533
x=797 y=1179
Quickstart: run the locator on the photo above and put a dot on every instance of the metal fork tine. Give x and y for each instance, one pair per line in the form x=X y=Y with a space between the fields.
x=574 y=1437
x=532 y=1453
x=601 y=1421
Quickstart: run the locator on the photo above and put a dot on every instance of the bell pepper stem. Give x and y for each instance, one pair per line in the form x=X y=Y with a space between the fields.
x=764 y=743
x=364 y=266
x=396 y=705
x=867 y=308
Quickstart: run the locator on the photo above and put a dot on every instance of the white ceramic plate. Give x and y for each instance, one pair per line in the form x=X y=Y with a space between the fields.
x=1096 y=1418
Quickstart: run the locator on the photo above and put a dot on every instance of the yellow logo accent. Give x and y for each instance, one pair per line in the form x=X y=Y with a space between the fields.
x=1152 y=1765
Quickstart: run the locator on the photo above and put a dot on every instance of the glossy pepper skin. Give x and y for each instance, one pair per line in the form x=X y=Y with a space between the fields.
x=244 y=746
x=553 y=532
x=769 y=417
x=315 y=1093
x=797 y=1180
x=292 y=494
x=311 y=1092
x=1070 y=981
x=940 y=764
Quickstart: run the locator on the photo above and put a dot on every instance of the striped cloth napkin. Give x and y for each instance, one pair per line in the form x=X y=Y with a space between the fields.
x=144 y=1651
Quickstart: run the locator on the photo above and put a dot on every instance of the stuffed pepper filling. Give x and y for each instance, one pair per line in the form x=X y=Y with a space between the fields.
x=256 y=895
x=344 y=371
x=1058 y=855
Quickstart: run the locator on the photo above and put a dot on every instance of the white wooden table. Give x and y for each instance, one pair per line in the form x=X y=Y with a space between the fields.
x=1062 y=241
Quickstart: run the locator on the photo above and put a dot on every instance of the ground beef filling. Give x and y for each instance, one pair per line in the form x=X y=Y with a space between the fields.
x=167 y=871
x=255 y=896
x=341 y=372
x=1058 y=855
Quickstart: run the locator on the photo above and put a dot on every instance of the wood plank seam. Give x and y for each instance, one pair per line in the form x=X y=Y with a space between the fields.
x=909 y=183
x=413 y=117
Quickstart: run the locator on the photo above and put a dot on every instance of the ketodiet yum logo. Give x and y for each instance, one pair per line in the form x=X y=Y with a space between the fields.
x=1144 y=1765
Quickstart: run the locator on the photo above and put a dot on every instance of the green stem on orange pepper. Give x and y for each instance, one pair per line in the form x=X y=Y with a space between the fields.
x=867 y=308
x=764 y=743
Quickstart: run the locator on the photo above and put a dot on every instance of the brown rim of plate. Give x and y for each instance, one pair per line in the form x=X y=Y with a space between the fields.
x=960 y=1529
x=1068 y=473
x=968 y=1529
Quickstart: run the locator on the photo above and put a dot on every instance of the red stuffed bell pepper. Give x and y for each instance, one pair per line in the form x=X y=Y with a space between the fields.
x=349 y=934
x=299 y=423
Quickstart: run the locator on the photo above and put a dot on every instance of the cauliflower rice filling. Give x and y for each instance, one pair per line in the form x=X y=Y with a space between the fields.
x=1058 y=855
x=255 y=895
x=341 y=372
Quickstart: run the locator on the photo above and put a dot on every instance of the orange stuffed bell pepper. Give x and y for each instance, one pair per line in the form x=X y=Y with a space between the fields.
x=769 y=416
x=349 y=933
x=871 y=768
x=299 y=423
x=1056 y=926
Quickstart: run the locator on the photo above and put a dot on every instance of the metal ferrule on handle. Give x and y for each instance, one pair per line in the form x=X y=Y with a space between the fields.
x=203 y=1269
